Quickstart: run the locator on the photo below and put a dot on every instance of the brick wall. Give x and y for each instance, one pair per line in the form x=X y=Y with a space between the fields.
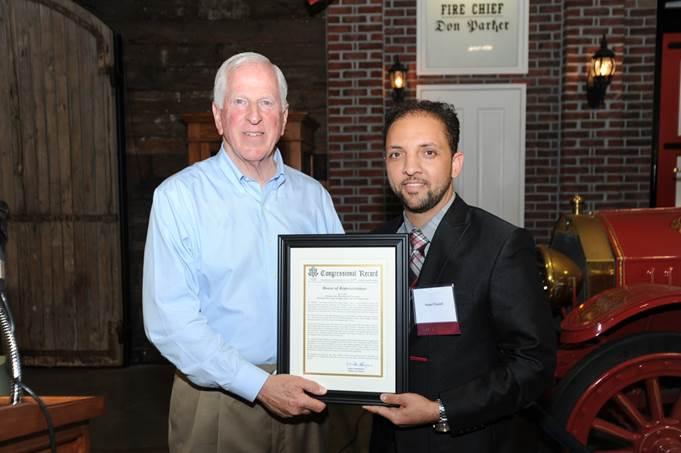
x=355 y=74
x=602 y=154
x=606 y=153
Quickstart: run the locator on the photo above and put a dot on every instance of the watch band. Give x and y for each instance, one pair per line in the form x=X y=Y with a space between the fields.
x=442 y=425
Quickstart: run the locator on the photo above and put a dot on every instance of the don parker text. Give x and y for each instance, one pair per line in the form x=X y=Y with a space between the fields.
x=477 y=17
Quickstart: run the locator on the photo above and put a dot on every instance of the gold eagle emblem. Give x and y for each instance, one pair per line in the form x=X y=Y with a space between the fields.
x=676 y=224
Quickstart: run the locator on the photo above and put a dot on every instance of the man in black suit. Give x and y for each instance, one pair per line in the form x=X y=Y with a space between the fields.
x=466 y=389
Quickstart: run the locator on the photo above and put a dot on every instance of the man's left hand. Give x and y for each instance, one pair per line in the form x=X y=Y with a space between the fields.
x=412 y=409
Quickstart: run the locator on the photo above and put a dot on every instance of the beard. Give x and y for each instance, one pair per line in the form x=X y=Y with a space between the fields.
x=432 y=197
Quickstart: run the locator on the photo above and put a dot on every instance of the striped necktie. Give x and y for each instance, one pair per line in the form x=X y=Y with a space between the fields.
x=418 y=242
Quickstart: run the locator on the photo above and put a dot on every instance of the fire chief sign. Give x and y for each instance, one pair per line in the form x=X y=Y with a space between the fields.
x=472 y=37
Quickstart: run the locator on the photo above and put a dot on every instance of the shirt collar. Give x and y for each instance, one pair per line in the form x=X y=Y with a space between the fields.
x=236 y=176
x=429 y=228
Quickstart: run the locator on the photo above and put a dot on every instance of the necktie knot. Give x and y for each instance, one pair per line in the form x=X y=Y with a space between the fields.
x=417 y=256
x=417 y=239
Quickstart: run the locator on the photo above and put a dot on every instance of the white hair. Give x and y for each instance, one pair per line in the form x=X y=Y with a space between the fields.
x=233 y=62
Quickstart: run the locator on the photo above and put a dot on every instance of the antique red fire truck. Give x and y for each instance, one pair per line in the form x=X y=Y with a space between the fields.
x=614 y=281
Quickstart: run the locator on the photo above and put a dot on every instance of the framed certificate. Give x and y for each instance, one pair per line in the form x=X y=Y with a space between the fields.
x=344 y=313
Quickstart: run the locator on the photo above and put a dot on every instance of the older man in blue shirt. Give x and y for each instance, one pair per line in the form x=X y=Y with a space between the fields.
x=210 y=275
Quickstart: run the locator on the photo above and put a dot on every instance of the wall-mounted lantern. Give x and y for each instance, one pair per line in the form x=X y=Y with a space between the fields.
x=600 y=74
x=398 y=79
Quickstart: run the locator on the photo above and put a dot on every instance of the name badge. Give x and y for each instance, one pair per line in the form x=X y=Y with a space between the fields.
x=435 y=311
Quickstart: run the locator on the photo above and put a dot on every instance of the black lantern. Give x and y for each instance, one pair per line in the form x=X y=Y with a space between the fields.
x=600 y=74
x=398 y=79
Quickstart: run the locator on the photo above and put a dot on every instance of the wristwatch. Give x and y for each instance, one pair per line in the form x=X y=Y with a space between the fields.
x=442 y=425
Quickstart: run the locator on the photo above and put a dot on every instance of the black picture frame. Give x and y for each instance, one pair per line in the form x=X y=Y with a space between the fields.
x=393 y=248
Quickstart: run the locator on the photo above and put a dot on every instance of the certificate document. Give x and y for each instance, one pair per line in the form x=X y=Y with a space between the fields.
x=343 y=315
x=343 y=319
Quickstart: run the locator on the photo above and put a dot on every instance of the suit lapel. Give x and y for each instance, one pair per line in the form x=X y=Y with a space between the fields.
x=449 y=233
x=446 y=240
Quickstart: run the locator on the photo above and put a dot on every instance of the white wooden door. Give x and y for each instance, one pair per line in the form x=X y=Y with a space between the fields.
x=492 y=140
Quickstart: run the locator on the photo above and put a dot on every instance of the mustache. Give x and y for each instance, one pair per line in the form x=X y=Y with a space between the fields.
x=413 y=180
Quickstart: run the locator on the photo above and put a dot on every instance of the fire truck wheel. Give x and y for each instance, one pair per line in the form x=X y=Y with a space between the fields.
x=626 y=395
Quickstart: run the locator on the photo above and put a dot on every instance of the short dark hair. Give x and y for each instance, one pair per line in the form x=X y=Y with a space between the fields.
x=440 y=110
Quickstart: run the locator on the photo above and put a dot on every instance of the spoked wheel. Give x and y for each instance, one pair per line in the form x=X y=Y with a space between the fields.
x=625 y=396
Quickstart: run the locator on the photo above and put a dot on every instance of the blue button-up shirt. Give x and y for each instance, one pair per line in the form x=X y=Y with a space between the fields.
x=210 y=267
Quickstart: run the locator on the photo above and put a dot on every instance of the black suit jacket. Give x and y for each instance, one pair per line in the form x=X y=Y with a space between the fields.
x=505 y=356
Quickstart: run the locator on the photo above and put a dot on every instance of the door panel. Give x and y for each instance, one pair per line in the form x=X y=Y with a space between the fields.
x=492 y=119
x=59 y=176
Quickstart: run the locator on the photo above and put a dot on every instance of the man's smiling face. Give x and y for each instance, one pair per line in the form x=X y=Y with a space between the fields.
x=420 y=163
x=252 y=118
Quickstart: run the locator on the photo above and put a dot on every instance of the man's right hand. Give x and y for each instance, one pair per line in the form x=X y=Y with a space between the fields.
x=287 y=396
